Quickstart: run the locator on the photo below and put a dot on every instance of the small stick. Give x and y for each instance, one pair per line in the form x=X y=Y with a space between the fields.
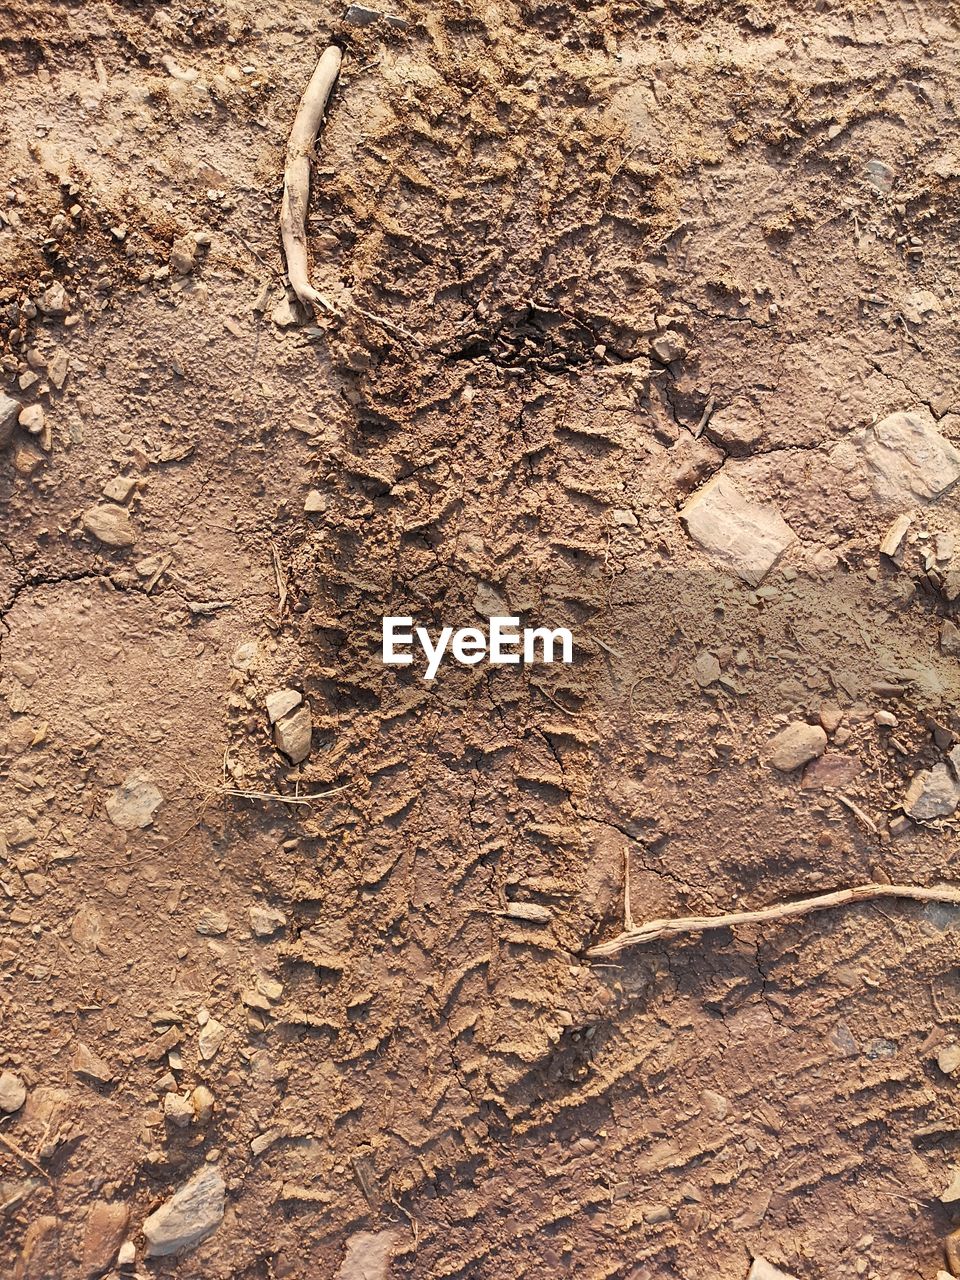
x=708 y=408
x=296 y=178
x=654 y=930
x=628 y=925
x=28 y=1160
x=857 y=812
x=281 y=584
x=308 y=797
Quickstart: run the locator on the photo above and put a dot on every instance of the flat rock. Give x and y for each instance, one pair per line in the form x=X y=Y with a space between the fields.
x=293 y=734
x=191 y=1215
x=102 y=1237
x=933 y=793
x=13 y=1092
x=367 y=1256
x=796 y=745
x=736 y=533
x=282 y=701
x=833 y=769
x=55 y=301
x=907 y=458
x=212 y=924
x=90 y=1066
x=134 y=802
x=110 y=525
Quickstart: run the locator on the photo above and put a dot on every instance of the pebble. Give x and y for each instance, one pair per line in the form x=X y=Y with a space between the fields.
x=933 y=793
x=368 y=1255
x=886 y=720
x=89 y=1065
x=950 y=639
x=832 y=769
x=183 y=255
x=907 y=458
x=191 y=1215
x=119 y=488
x=706 y=669
x=103 y=1235
x=951 y=1193
x=796 y=745
x=280 y=702
x=892 y=544
x=736 y=533
x=32 y=419
x=110 y=524
x=948 y=1059
x=127 y=1255
x=265 y=921
x=294 y=733
x=13 y=1092
x=830 y=716
x=315 y=502
x=55 y=301
x=669 y=346
x=737 y=428
x=764 y=1270
x=134 y=802
x=177 y=1110
x=211 y=1037
x=361 y=16
x=58 y=366
x=9 y=412
x=202 y=1101
x=213 y=924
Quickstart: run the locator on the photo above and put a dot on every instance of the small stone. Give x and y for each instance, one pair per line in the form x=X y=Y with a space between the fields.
x=183 y=255
x=669 y=346
x=737 y=428
x=657 y=1213
x=265 y=921
x=191 y=1215
x=951 y=1193
x=361 y=16
x=293 y=734
x=177 y=1110
x=831 y=770
x=706 y=669
x=879 y=175
x=950 y=639
x=26 y=460
x=886 y=719
x=127 y=1255
x=119 y=488
x=764 y=1270
x=105 y=1228
x=13 y=1092
x=58 y=366
x=736 y=533
x=892 y=544
x=796 y=745
x=211 y=1037
x=368 y=1255
x=624 y=518
x=110 y=524
x=830 y=716
x=55 y=302
x=315 y=502
x=89 y=1065
x=933 y=793
x=32 y=419
x=202 y=1101
x=213 y=924
x=280 y=702
x=134 y=802
x=9 y=412
x=948 y=1059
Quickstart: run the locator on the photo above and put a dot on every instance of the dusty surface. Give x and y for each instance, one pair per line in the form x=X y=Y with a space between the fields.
x=605 y=229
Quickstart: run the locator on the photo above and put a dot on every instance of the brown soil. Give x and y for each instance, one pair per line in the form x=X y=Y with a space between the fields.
x=534 y=192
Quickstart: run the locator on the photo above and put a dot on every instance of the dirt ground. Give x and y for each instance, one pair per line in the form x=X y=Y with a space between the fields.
x=587 y=259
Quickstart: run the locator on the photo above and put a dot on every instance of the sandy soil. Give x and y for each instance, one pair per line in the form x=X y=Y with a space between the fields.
x=631 y=249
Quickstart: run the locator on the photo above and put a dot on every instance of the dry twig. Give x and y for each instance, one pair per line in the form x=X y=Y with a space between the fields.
x=19 y=1152
x=654 y=930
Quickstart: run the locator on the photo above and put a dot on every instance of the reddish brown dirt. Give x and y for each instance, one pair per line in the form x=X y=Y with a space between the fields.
x=534 y=192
